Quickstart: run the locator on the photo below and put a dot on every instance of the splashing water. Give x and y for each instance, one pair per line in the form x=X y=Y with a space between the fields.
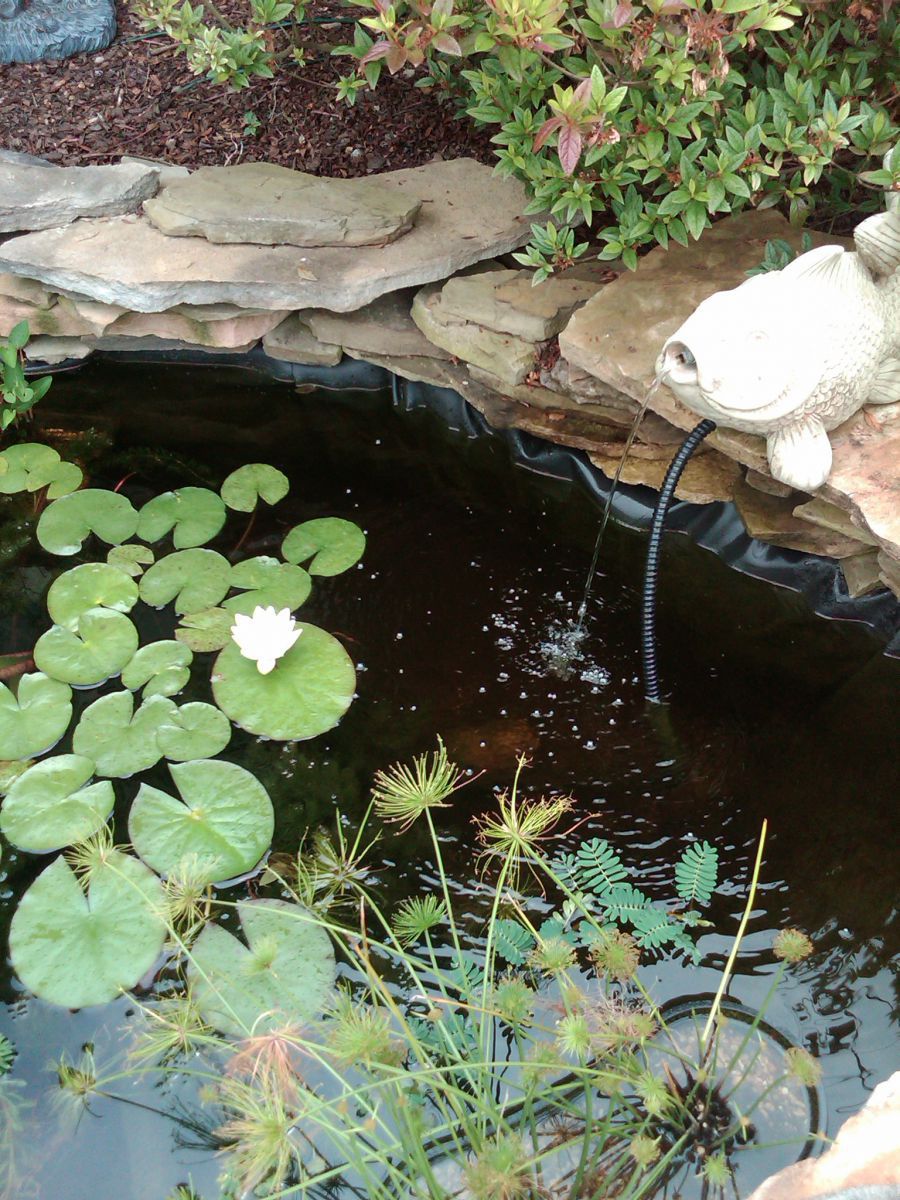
x=578 y=628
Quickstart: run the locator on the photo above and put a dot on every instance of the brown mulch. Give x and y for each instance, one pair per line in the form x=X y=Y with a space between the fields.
x=139 y=97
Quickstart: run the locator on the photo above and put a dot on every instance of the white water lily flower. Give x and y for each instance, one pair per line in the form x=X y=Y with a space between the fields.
x=265 y=636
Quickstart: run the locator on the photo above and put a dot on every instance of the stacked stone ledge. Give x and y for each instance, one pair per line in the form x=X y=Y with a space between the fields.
x=412 y=270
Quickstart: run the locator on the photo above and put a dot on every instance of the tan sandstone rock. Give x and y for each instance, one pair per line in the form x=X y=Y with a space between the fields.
x=292 y=341
x=33 y=197
x=861 y=573
x=384 y=327
x=771 y=519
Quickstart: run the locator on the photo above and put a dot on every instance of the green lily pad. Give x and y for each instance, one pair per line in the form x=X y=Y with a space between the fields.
x=68 y=477
x=131 y=558
x=33 y=720
x=193 y=731
x=209 y=629
x=286 y=972
x=118 y=740
x=92 y=585
x=225 y=824
x=194 y=579
x=50 y=806
x=270 y=582
x=101 y=646
x=306 y=694
x=11 y=771
x=161 y=669
x=333 y=544
x=29 y=466
x=195 y=515
x=66 y=522
x=75 y=948
x=252 y=482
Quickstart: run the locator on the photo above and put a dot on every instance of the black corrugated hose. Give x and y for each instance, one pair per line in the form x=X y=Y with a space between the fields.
x=651 y=571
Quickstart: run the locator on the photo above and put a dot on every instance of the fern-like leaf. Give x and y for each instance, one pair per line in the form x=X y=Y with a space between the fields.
x=697 y=872
x=7 y=1054
x=624 y=902
x=597 y=866
x=513 y=941
x=654 y=929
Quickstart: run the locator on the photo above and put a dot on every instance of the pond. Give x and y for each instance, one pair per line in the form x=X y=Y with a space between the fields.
x=472 y=568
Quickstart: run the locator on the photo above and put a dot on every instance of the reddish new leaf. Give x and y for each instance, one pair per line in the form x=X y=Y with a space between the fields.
x=544 y=132
x=569 y=146
x=395 y=58
x=447 y=44
x=379 y=50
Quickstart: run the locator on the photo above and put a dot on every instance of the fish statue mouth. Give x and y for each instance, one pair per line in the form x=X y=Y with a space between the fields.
x=677 y=367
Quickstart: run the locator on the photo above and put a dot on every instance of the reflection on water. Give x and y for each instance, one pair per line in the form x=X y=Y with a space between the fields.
x=461 y=621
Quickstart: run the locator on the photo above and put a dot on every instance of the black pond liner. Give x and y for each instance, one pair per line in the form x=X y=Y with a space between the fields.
x=717 y=527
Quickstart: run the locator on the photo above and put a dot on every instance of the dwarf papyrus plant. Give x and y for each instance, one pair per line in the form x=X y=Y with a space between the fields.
x=18 y=395
x=647 y=120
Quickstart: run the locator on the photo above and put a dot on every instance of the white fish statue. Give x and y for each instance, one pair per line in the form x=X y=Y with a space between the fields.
x=792 y=353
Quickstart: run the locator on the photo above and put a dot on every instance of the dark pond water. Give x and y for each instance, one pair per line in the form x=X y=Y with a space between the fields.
x=473 y=566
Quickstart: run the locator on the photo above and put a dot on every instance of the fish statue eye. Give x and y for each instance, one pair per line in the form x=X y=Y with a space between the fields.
x=684 y=358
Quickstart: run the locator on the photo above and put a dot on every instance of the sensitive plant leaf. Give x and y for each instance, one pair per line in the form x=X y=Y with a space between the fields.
x=206 y=630
x=53 y=804
x=193 y=579
x=307 y=693
x=224 y=821
x=513 y=941
x=333 y=544
x=64 y=524
x=160 y=668
x=285 y=973
x=101 y=646
x=77 y=948
x=131 y=558
x=119 y=740
x=653 y=930
x=624 y=902
x=597 y=866
x=252 y=482
x=34 y=718
x=91 y=585
x=193 y=731
x=697 y=872
x=194 y=516
x=269 y=582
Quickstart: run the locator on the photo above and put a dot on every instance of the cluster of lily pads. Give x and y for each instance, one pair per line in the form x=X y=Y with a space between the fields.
x=95 y=920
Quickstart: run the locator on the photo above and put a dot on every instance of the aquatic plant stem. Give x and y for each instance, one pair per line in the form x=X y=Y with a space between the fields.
x=729 y=965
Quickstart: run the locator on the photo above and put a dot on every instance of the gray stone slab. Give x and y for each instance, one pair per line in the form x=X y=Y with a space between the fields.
x=383 y=327
x=468 y=214
x=47 y=197
x=292 y=341
x=270 y=205
x=34 y=29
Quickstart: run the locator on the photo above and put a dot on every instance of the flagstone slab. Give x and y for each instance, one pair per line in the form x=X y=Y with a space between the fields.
x=274 y=206
x=293 y=341
x=467 y=214
x=33 y=198
x=384 y=327
x=771 y=519
x=861 y=573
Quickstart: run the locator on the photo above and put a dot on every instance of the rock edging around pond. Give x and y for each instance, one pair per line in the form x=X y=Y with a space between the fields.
x=413 y=273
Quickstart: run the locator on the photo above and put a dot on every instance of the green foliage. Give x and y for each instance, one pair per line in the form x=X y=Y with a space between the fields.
x=647 y=120
x=696 y=873
x=7 y=1054
x=778 y=254
x=18 y=395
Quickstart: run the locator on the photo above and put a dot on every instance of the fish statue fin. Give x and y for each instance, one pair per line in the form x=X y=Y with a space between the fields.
x=878 y=242
x=826 y=267
x=886 y=387
x=800 y=454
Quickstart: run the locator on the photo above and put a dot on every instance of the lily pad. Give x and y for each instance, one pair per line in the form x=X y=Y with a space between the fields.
x=29 y=466
x=49 y=806
x=92 y=585
x=118 y=740
x=131 y=558
x=253 y=482
x=66 y=523
x=161 y=669
x=269 y=582
x=307 y=693
x=225 y=823
x=206 y=630
x=194 y=515
x=101 y=646
x=333 y=544
x=68 y=477
x=286 y=973
x=75 y=948
x=194 y=579
x=11 y=771
x=34 y=719
x=193 y=731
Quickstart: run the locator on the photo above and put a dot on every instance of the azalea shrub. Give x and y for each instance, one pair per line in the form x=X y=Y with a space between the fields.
x=645 y=121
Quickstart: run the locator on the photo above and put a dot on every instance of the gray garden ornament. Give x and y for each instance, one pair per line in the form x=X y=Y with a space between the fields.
x=792 y=353
x=35 y=29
